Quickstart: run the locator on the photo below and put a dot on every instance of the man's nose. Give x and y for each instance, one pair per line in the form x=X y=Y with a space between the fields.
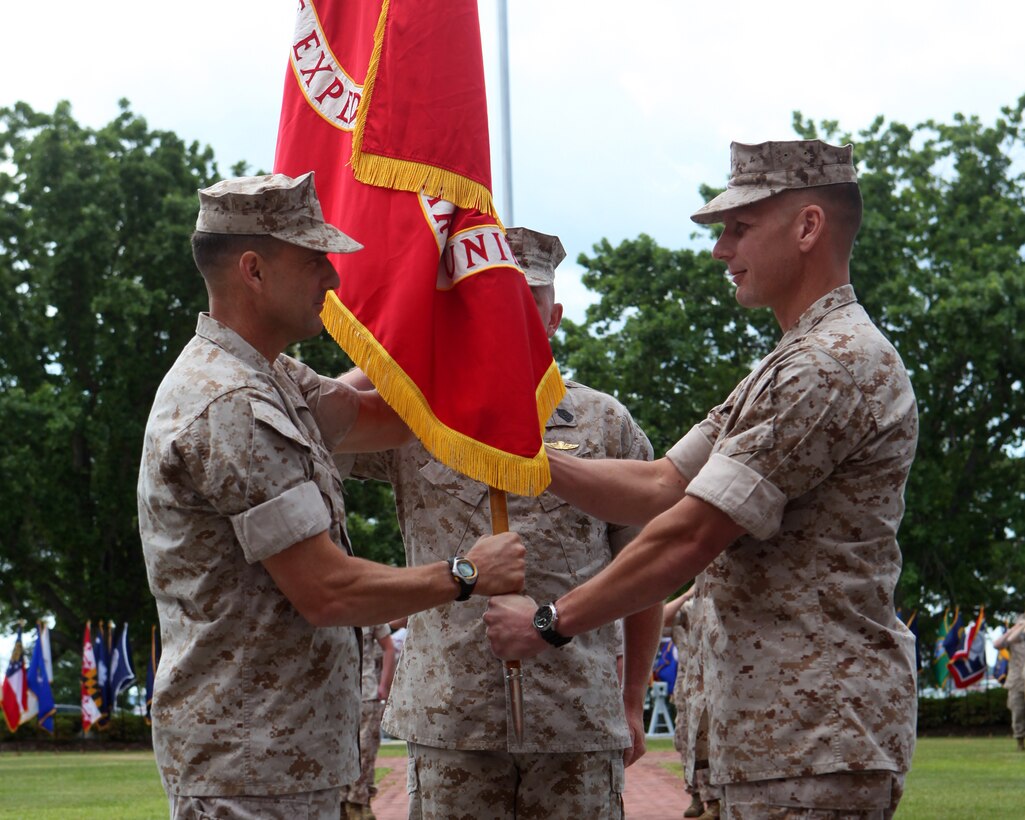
x=722 y=249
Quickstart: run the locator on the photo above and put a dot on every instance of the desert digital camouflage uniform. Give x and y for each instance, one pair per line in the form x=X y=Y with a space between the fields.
x=250 y=699
x=371 y=712
x=1014 y=683
x=449 y=690
x=690 y=731
x=687 y=689
x=806 y=668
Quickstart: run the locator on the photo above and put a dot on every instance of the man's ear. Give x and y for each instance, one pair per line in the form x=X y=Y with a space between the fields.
x=555 y=319
x=811 y=224
x=250 y=270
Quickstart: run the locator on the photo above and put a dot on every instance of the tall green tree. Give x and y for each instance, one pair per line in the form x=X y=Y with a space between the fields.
x=98 y=295
x=939 y=266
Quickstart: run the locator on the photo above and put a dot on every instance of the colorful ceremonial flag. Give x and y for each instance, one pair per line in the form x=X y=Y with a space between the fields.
x=912 y=623
x=385 y=102
x=91 y=715
x=949 y=643
x=39 y=679
x=16 y=706
x=968 y=664
x=122 y=674
x=101 y=652
x=1002 y=666
x=151 y=669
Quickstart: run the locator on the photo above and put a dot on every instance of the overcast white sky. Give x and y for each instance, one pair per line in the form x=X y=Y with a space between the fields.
x=619 y=111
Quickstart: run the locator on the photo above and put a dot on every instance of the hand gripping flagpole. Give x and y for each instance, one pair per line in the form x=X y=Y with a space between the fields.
x=513 y=668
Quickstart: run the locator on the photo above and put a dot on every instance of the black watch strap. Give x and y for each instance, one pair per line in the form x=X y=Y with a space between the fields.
x=464 y=573
x=546 y=620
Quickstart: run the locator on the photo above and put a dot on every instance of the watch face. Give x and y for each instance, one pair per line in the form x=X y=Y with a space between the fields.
x=465 y=569
x=543 y=618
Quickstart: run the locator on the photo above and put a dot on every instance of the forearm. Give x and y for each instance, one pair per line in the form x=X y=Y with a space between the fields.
x=1010 y=635
x=620 y=491
x=672 y=607
x=357 y=591
x=641 y=633
x=331 y=588
x=387 y=671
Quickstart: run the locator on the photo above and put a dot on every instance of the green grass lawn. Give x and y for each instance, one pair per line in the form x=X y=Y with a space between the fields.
x=972 y=778
x=965 y=778
x=73 y=785
x=952 y=779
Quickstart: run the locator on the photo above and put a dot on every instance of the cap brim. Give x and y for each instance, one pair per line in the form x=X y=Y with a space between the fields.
x=731 y=199
x=326 y=238
x=538 y=280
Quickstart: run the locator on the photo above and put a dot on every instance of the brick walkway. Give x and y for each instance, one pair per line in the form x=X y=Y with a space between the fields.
x=653 y=792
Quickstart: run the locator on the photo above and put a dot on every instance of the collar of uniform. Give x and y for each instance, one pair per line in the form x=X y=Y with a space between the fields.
x=223 y=336
x=836 y=298
x=565 y=415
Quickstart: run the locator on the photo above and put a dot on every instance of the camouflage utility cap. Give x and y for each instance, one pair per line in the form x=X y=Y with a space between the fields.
x=272 y=205
x=769 y=168
x=538 y=254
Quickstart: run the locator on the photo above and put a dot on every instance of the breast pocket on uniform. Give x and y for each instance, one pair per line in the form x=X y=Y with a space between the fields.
x=268 y=416
x=446 y=480
x=452 y=518
x=580 y=540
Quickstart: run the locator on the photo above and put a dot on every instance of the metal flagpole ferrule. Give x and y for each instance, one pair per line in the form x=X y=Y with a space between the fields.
x=514 y=688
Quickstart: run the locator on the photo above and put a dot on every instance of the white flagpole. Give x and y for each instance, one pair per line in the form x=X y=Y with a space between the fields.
x=503 y=60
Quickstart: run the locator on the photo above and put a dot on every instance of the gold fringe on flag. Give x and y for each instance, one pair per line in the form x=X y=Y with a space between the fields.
x=408 y=175
x=481 y=462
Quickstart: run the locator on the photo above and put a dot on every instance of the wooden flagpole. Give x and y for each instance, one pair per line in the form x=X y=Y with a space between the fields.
x=513 y=668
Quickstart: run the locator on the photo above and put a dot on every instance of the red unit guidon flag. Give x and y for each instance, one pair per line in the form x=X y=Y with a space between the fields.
x=385 y=103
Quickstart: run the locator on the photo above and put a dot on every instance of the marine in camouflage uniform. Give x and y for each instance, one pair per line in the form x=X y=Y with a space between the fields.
x=449 y=699
x=806 y=668
x=690 y=730
x=378 y=669
x=231 y=707
x=788 y=496
x=255 y=709
x=1013 y=640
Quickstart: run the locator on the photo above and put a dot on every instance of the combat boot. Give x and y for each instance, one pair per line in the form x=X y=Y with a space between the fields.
x=696 y=807
x=354 y=811
x=711 y=811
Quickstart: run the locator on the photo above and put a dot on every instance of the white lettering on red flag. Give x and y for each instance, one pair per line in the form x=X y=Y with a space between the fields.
x=438 y=212
x=331 y=92
x=471 y=252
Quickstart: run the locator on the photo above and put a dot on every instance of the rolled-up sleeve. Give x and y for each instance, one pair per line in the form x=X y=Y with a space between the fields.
x=257 y=467
x=286 y=519
x=690 y=453
x=786 y=437
x=739 y=491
